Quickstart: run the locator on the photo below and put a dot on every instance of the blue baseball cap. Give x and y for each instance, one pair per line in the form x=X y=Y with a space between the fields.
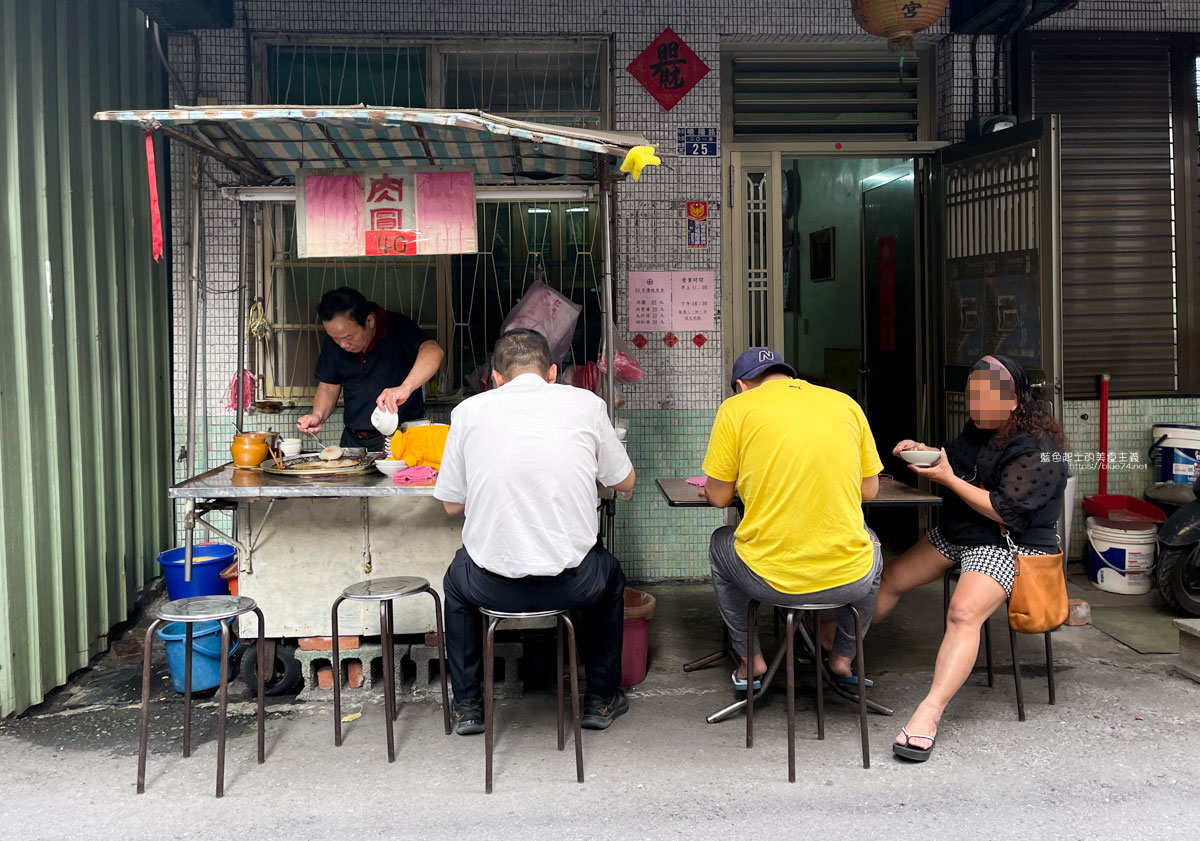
x=754 y=362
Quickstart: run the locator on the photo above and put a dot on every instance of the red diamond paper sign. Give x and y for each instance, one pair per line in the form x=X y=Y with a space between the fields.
x=639 y=341
x=698 y=340
x=670 y=340
x=668 y=69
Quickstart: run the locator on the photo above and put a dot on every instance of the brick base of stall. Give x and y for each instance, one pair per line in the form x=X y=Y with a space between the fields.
x=416 y=664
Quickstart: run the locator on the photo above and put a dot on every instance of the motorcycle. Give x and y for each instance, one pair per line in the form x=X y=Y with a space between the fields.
x=1177 y=569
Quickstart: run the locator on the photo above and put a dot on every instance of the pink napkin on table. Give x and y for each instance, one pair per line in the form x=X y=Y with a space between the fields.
x=698 y=481
x=419 y=475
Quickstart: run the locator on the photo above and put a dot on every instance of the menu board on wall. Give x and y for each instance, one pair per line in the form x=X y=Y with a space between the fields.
x=650 y=300
x=672 y=300
x=385 y=213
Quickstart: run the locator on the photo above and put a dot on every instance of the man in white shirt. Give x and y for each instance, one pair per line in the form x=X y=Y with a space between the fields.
x=522 y=462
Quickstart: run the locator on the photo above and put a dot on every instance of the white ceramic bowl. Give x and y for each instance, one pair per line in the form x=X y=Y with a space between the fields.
x=922 y=457
x=290 y=447
x=385 y=422
x=390 y=468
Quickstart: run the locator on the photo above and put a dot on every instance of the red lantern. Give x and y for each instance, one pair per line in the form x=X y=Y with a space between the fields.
x=897 y=20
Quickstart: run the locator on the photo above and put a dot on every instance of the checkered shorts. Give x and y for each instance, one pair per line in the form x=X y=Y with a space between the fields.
x=993 y=561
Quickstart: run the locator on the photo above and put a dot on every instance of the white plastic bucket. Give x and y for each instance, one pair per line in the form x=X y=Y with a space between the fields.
x=1121 y=555
x=1176 y=453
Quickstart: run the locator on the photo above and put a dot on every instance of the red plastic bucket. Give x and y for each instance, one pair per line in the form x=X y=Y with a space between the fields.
x=639 y=607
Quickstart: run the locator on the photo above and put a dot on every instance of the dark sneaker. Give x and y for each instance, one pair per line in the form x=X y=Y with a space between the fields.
x=599 y=713
x=467 y=717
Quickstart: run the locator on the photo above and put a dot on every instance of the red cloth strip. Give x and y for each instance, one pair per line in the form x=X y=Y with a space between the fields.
x=156 y=234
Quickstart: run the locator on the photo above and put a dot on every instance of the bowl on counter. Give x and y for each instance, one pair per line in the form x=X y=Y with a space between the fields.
x=390 y=467
x=925 y=458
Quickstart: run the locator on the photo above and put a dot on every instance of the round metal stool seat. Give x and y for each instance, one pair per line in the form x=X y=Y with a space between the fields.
x=378 y=589
x=790 y=609
x=527 y=614
x=191 y=612
x=562 y=622
x=385 y=591
x=808 y=606
x=205 y=608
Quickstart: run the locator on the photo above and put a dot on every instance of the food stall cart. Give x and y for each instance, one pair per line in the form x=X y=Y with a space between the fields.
x=301 y=540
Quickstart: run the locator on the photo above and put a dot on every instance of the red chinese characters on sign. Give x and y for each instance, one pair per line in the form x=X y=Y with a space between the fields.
x=668 y=69
x=385 y=203
x=383 y=189
x=386 y=219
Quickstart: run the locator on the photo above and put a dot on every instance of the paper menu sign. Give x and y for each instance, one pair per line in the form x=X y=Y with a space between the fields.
x=650 y=301
x=673 y=300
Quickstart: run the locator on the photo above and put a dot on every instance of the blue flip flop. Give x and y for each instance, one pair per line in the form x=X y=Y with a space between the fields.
x=740 y=683
x=852 y=680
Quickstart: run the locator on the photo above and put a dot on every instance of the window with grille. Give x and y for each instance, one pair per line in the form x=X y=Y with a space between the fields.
x=461 y=299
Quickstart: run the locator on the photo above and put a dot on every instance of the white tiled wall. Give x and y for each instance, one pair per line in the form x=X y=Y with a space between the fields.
x=650 y=215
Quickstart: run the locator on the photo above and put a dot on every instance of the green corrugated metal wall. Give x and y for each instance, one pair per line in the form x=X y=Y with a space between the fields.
x=85 y=405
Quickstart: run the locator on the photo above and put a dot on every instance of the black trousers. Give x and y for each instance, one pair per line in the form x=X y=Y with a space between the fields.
x=596 y=588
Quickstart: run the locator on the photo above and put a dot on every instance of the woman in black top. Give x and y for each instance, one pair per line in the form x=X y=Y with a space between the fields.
x=1005 y=467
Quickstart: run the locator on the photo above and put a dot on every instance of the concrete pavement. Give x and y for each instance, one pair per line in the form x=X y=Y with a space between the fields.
x=1116 y=758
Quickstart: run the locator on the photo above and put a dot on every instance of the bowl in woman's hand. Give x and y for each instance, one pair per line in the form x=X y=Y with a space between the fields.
x=924 y=458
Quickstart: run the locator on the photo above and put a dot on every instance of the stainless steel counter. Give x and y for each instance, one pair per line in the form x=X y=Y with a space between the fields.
x=229 y=482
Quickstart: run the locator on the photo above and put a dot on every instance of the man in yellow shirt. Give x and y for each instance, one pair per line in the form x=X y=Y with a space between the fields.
x=802 y=459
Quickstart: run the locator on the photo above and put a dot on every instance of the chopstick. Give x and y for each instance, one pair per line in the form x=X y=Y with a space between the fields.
x=275 y=457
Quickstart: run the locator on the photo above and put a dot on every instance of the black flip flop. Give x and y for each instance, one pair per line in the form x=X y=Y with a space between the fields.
x=907 y=751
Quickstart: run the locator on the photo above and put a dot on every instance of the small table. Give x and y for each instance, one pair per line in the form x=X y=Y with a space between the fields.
x=892 y=494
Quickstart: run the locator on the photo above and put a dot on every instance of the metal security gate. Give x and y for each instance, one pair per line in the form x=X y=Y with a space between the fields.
x=999 y=240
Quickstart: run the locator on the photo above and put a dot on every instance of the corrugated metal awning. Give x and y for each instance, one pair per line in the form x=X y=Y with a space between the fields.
x=266 y=143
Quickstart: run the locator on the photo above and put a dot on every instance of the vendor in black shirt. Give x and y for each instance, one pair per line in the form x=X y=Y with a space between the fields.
x=380 y=358
x=1005 y=468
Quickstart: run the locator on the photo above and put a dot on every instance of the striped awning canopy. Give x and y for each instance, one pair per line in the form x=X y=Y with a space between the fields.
x=270 y=143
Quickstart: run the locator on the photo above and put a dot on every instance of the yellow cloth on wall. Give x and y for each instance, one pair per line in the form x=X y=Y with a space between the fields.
x=421 y=445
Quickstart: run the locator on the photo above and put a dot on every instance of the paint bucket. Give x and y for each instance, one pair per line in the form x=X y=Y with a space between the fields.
x=206 y=654
x=1121 y=555
x=1175 y=452
x=208 y=559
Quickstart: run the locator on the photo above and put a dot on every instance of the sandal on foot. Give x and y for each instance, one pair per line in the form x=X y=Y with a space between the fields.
x=851 y=679
x=907 y=751
x=739 y=683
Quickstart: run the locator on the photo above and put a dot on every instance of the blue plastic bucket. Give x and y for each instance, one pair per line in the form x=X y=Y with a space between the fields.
x=208 y=559
x=206 y=654
x=1175 y=453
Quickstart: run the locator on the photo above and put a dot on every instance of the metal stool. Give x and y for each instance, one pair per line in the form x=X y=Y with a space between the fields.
x=489 y=634
x=384 y=591
x=953 y=572
x=789 y=611
x=190 y=611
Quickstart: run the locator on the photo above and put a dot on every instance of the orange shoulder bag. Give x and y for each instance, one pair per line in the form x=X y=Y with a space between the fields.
x=1039 y=594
